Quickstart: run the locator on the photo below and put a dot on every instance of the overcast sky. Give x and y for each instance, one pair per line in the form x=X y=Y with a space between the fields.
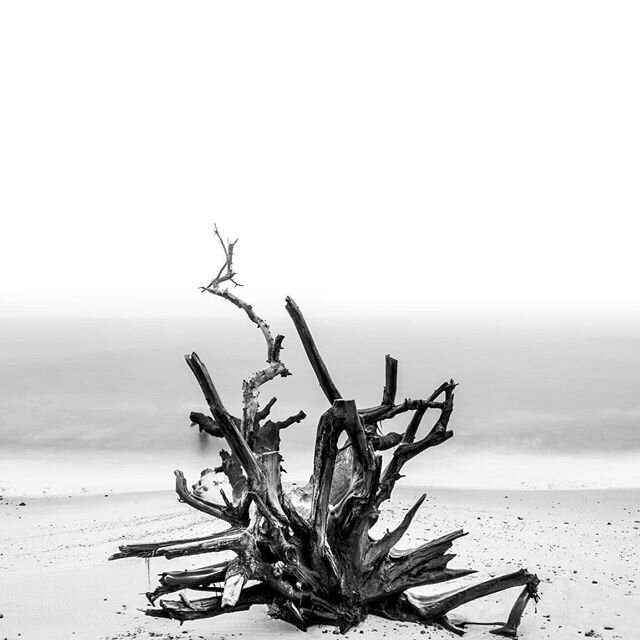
x=450 y=156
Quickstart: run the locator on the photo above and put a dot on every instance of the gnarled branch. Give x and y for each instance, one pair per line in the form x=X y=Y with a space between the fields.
x=234 y=438
x=381 y=547
x=225 y=513
x=226 y=274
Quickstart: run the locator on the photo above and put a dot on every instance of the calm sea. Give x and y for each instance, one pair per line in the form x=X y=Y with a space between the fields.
x=103 y=404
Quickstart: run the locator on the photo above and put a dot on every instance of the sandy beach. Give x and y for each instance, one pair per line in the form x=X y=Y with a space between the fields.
x=56 y=581
x=382 y=249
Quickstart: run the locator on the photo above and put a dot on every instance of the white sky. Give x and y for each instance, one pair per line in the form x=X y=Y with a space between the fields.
x=434 y=156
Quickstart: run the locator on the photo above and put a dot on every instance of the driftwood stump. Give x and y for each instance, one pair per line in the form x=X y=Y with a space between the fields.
x=309 y=554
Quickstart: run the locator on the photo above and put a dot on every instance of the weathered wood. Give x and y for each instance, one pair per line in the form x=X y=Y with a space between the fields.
x=391 y=380
x=226 y=273
x=251 y=393
x=233 y=436
x=217 y=511
x=382 y=412
x=263 y=413
x=317 y=363
x=234 y=539
x=510 y=627
x=381 y=547
x=208 y=424
x=309 y=555
x=211 y=607
x=235 y=578
x=204 y=579
x=205 y=423
x=434 y=609
x=233 y=470
x=382 y=442
x=326 y=450
x=409 y=448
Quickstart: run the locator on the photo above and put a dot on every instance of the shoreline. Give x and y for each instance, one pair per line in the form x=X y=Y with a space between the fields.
x=63 y=473
x=399 y=489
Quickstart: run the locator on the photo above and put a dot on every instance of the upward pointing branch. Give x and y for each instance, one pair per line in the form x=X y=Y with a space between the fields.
x=391 y=380
x=227 y=274
x=408 y=448
x=230 y=431
x=250 y=388
x=317 y=363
